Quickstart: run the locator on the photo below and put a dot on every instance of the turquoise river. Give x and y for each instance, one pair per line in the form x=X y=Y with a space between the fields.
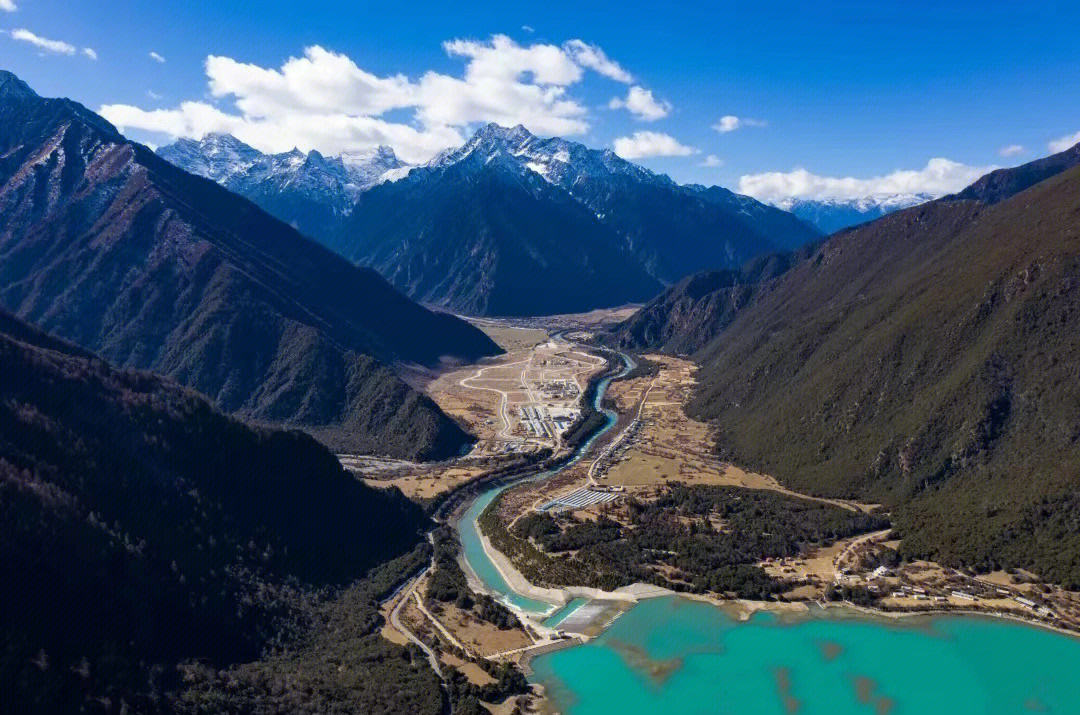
x=673 y=655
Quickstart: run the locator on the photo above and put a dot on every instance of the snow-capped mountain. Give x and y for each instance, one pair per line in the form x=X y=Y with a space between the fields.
x=491 y=226
x=512 y=223
x=831 y=215
x=308 y=190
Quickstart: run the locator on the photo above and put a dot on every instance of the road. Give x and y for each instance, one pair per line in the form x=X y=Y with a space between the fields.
x=838 y=562
x=618 y=440
x=395 y=621
x=503 y=397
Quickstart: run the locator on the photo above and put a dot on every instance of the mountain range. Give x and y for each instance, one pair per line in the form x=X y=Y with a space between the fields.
x=109 y=246
x=308 y=191
x=832 y=215
x=143 y=528
x=926 y=360
x=514 y=224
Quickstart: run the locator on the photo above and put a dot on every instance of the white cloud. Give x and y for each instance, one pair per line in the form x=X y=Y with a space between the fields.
x=641 y=145
x=156 y=57
x=528 y=28
x=712 y=161
x=8 y=6
x=152 y=94
x=323 y=100
x=1065 y=142
x=729 y=123
x=504 y=83
x=89 y=52
x=57 y=46
x=641 y=103
x=592 y=57
x=1011 y=150
x=938 y=177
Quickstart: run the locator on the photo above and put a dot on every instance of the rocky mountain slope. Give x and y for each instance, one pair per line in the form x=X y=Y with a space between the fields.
x=494 y=226
x=514 y=224
x=690 y=313
x=308 y=191
x=143 y=528
x=832 y=215
x=1004 y=183
x=926 y=360
x=109 y=246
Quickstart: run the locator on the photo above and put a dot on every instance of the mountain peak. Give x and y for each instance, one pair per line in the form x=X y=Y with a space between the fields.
x=497 y=131
x=11 y=87
x=381 y=154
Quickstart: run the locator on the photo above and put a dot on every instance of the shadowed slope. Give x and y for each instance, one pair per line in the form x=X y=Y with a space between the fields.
x=142 y=527
x=106 y=244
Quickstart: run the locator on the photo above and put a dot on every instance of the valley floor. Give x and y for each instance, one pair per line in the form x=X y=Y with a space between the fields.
x=653 y=448
x=657 y=445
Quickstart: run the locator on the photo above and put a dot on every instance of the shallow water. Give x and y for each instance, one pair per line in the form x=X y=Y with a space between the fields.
x=672 y=655
x=561 y=615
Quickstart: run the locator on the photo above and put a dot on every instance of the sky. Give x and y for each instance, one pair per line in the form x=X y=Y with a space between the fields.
x=768 y=98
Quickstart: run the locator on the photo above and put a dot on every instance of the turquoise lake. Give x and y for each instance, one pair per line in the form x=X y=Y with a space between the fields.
x=673 y=655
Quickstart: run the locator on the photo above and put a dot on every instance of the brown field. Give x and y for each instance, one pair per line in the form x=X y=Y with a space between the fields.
x=511 y=338
x=472 y=672
x=426 y=481
x=672 y=447
x=480 y=637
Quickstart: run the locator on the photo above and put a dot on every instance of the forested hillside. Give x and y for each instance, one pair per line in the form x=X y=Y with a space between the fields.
x=927 y=360
x=143 y=528
x=106 y=244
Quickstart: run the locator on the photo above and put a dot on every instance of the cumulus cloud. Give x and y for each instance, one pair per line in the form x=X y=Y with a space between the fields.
x=712 y=161
x=56 y=46
x=641 y=103
x=1065 y=142
x=729 y=123
x=8 y=6
x=89 y=52
x=1011 y=150
x=156 y=57
x=641 y=145
x=938 y=177
x=323 y=100
x=592 y=57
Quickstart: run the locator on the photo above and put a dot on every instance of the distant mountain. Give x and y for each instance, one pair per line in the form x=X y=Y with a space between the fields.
x=926 y=360
x=832 y=215
x=309 y=191
x=142 y=528
x=513 y=224
x=109 y=246
x=490 y=227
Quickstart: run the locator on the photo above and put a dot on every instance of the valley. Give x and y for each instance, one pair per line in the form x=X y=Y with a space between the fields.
x=380 y=360
x=654 y=459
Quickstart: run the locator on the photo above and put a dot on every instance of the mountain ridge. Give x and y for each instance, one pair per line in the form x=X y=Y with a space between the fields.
x=307 y=191
x=111 y=247
x=623 y=231
x=144 y=529
x=922 y=360
x=832 y=215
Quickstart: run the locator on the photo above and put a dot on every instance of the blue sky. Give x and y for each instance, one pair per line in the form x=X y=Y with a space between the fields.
x=850 y=94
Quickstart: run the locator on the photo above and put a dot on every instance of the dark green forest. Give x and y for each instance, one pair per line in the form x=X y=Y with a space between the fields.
x=707 y=538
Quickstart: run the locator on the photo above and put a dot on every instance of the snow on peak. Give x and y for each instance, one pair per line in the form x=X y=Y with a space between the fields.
x=337 y=180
